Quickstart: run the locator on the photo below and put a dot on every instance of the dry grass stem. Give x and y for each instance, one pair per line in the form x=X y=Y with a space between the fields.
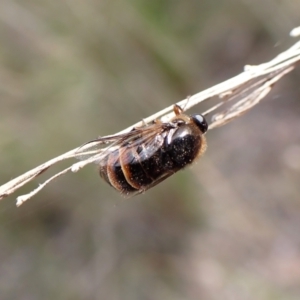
x=234 y=96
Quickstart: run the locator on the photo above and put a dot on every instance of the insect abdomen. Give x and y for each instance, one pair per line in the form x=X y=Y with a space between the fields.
x=130 y=170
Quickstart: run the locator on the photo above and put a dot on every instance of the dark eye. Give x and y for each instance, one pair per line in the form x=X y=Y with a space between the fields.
x=200 y=121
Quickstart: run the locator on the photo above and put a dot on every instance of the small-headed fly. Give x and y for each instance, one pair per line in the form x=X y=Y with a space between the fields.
x=147 y=155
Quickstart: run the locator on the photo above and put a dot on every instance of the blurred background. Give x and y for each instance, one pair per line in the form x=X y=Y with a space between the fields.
x=226 y=228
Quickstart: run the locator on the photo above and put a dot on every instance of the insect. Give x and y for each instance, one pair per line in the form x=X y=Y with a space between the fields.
x=147 y=155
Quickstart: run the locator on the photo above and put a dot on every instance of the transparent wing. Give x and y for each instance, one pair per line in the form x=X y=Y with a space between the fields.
x=139 y=143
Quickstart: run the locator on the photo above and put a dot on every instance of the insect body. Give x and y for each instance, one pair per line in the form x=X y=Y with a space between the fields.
x=147 y=155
